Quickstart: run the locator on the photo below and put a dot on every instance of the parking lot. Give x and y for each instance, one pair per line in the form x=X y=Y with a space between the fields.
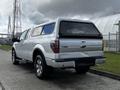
x=22 y=78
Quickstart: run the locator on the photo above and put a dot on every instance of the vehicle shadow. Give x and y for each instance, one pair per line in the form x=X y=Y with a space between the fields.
x=66 y=78
x=60 y=77
x=28 y=67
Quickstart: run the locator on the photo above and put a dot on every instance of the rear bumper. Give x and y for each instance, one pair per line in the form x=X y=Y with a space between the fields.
x=79 y=59
x=64 y=63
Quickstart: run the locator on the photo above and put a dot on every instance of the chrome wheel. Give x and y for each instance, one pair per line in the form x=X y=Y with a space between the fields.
x=39 y=67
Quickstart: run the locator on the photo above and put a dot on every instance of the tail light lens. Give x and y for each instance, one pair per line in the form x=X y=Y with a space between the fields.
x=55 y=46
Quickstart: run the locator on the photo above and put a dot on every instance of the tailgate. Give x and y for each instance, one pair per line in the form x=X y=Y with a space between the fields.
x=76 y=48
x=77 y=45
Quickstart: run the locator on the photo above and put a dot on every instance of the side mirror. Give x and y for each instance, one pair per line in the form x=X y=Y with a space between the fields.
x=16 y=40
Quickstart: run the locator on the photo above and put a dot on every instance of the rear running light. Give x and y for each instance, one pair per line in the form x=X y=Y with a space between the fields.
x=55 y=46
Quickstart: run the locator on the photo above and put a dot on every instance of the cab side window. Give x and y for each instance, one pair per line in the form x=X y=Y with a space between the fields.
x=48 y=29
x=36 y=31
x=24 y=34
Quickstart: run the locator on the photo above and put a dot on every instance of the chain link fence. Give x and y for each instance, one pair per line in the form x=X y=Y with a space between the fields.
x=5 y=40
x=111 y=42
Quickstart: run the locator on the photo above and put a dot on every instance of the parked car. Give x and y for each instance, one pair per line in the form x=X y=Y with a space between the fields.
x=63 y=43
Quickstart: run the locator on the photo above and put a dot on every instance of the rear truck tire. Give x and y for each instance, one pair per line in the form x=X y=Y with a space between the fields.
x=14 y=58
x=82 y=69
x=41 y=68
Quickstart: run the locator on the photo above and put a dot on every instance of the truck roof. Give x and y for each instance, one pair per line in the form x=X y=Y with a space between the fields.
x=69 y=19
x=62 y=19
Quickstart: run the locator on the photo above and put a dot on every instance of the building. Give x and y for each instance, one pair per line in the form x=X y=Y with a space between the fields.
x=109 y=28
x=107 y=24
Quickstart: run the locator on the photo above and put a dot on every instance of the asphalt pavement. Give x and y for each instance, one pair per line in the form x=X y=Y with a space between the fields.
x=22 y=77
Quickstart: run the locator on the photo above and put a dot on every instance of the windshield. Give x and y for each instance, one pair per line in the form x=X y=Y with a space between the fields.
x=78 y=29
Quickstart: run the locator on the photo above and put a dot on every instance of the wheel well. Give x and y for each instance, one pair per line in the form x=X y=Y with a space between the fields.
x=36 y=52
x=13 y=48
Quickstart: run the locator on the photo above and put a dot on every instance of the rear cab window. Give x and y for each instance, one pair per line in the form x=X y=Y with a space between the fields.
x=73 y=29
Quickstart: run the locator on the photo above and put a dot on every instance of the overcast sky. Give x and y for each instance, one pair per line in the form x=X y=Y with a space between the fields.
x=37 y=11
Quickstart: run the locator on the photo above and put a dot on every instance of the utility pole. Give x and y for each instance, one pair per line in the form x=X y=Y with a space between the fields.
x=9 y=27
x=118 y=24
x=17 y=25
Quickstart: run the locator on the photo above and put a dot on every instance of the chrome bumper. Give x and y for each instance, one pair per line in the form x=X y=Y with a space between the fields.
x=71 y=62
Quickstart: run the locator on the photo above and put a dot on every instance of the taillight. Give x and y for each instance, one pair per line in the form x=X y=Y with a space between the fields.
x=55 y=46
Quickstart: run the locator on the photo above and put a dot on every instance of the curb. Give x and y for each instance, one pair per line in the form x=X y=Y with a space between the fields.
x=106 y=74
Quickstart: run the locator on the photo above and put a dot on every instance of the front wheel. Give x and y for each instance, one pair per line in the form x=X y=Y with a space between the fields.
x=40 y=67
x=82 y=69
x=14 y=58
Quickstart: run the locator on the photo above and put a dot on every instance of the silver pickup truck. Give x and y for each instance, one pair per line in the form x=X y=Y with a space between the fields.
x=63 y=43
